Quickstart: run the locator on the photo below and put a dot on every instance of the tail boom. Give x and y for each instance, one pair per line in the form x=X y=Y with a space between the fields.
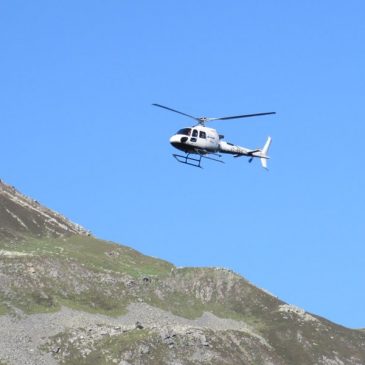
x=239 y=151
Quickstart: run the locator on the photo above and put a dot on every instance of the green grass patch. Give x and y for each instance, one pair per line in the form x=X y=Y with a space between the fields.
x=106 y=351
x=35 y=302
x=116 y=344
x=97 y=254
x=3 y=310
x=32 y=300
x=100 y=304
x=180 y=304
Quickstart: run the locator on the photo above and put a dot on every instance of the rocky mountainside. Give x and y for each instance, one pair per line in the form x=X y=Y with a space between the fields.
x=22 y=216
x=69 y=298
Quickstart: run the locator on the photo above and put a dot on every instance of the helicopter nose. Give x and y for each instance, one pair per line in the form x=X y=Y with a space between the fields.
x=175 y=139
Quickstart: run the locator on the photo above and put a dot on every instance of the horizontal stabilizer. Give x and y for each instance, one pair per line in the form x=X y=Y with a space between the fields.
x=250 y=153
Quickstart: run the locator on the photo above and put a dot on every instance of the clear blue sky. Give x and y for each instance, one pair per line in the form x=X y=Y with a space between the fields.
x=79 y=134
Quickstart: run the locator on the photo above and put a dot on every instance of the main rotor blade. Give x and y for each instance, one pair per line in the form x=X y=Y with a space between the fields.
x=240 y=116
x=176 y=111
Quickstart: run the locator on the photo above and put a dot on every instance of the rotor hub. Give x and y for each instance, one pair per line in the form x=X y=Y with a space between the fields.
x=202 y=120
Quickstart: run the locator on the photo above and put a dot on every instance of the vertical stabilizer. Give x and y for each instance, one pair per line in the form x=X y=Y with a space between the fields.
x=264 y=152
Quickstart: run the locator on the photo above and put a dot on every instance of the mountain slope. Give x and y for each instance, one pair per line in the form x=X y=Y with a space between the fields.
x=67 y=297
x=22 y=216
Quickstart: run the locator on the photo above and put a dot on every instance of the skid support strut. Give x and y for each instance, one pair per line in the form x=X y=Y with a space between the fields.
x=196 y=162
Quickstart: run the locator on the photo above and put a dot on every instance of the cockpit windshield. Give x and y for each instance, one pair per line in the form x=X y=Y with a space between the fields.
x=184 y=131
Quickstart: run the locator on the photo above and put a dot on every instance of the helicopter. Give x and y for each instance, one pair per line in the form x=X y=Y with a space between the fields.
x=202 y=142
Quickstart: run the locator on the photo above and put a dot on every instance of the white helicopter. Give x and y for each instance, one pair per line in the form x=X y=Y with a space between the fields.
x=202 y=141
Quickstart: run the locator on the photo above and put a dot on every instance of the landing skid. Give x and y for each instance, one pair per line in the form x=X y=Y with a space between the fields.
x=196 y=162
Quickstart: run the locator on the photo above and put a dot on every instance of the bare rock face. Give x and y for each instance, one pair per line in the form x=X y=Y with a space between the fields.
x=21 y=216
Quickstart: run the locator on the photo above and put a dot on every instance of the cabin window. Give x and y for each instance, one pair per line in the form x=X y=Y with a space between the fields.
x=184 y=131
x=195 y=133
x=202 y=134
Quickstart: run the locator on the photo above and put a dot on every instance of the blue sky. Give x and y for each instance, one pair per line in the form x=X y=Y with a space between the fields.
x=79 y=134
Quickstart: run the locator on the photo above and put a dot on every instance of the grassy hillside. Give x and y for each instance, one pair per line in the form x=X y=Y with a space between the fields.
x=86 y=273
x=94 y=276
x=80 y=272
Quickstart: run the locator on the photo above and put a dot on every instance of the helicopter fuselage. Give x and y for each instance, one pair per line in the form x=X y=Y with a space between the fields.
x=202 y=140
